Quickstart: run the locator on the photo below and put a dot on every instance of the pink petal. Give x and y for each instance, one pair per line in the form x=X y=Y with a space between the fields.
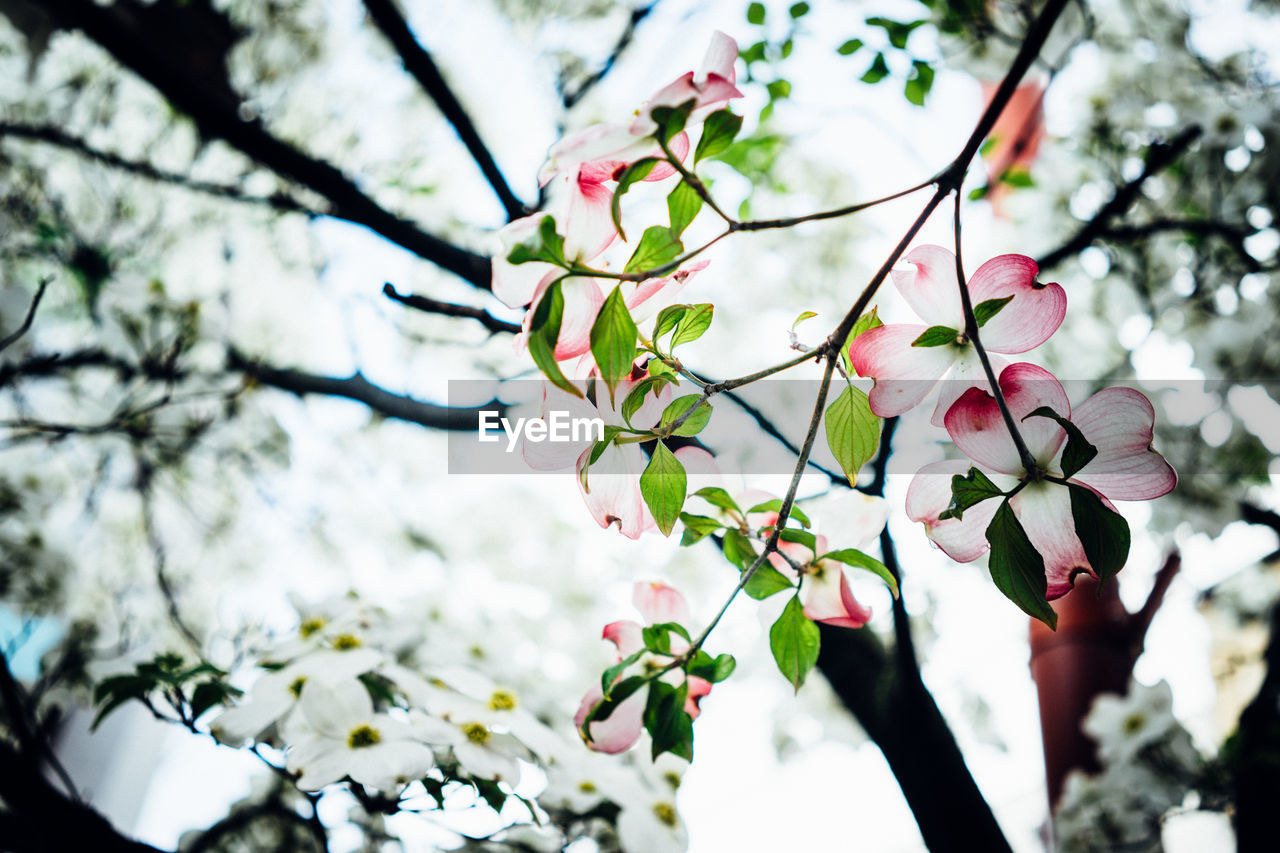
x=621 y=729
x=1028 y=319
x=965 y=373
x=698 y=687
x=557 y=455
x=828 y=598
x=658 y=603
x=624 y=634
x=1119 y=421
x=1044 y=509
x=612 y=493
x=963 y=539
x=931 y=289
x=599 y=142
x=679 y=146
x=647 y=299
x=904 y=374
x=588 y=225
x=582 y=301
x=720 y=59
x=978 y=429
x=700 y=469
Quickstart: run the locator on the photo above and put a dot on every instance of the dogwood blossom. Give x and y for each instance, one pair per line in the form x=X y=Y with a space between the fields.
x=1118 y=422
x=657 y=603
x=907 y=361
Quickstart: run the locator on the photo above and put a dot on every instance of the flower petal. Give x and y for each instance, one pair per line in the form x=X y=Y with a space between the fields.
x=588 y=226
x=965 y=373
x=612 y=492
x=931 y=289
x=961 y=539
x=720 y=58
x=625 y=635
x=828 y=598
x=1033 y=314
x=658 y=602
x=1119 y=422
x=620 y=729
x=1044 y=509
x=698 y=687
x=904 y=374
x=978 y=429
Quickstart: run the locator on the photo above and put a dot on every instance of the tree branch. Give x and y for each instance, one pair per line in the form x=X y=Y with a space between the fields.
x=57 y=137
x=418 y=62
x=139 y=38
x=449 y=309
x=1159 y=156
x=16 y=335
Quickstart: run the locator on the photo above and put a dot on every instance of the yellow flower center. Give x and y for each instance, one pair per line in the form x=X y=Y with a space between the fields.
x=502 y=700
x=477 y=733
x=586 y=786
x=1134 y=723
x=362 y=736
x=296 y=687
x=310 y=626
x=343 y=642
x=672 y=778
x=666 y=813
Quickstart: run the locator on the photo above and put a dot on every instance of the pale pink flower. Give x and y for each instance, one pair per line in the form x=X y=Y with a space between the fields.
x=905 y=372
x=657 y=603
x=1116 y=421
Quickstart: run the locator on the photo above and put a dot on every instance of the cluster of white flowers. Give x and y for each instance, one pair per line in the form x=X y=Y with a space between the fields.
x=344 y=703
x=1149 y=767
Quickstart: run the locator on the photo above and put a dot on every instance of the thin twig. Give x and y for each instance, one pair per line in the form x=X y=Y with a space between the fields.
x=13 y=337
x=449 y=309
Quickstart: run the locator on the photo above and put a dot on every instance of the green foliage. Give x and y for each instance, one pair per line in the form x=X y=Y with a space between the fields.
x=671 y=120
x=794 y=640
x=545 y=245
x=936 y=336
x=669 y=725
x=718 y=133
x=878 y=71
x=683 y=205
x=700 y=414
x=1078 y=452
x=189 y=689
x=544 y=331
x=766 y=581
x=967 y=491
x=1017 y=567
x=853 y=431
x=868 y=321
x=755 y=13
x=663 y=485
x=1103 y=532
x=857 y=559
x=658 y=247
x=613 y=340
x=985 y=310
x=919 y=83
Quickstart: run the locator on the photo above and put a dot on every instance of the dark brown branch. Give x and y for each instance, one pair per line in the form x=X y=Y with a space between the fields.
x=1159 y=156
x=137 y=37
x=361 y=390
x=54 y=136
x=16 y=335
x=418 y=62
x=571 y=97
x=1256 y=757
x=1140 y=620
x=450 y=309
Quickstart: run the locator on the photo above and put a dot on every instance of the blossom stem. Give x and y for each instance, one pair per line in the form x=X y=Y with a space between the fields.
x=971 y=332
x=767 y=224
x=695 y=182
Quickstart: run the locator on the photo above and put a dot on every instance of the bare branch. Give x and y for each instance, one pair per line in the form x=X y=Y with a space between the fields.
x=449 y=309
x=418 y=62
x=14 y=336
x=571 y=97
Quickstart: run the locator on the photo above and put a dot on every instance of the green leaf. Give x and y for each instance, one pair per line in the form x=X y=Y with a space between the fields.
x=779 y=89
x=683 y=205
x=989 y=145
x=798 y=10
x=663 y=485
x=804 y=315
x=857 y=559
x=613 y=340
x=545 y=246
x=1078 y=452
x=693 y=324
x=659 y=368
x=491 y=792
x=696 y=527
x=1103 y=532
x=853 y=432
x=635 y=397
x=766 y=581
x=793 y=639
x=775 y=505
x=695 y=422
x=210 y=693
x=657 y=247
x=657 y=638
x=544 y=331
x=668 y=318
x=610 y=675
x=897 y=31
x=919 y=83
x=737 y=550
x=969 y=490
x=718 y=133
x=598 y=449
x=1017 y=177
x=985 y=310
x=637 y=171
x=755 y=13
x=113 y=692
x=865 y=323
x=936 y=336
x=850 y=47
x=717 y=496
x=619 y=693
x=878 y=71
x=671 y=120
x=666 y=720
x=714 y=670
x=1017 y=567
x=801 y=537
x=979 y=193
x=754 y=53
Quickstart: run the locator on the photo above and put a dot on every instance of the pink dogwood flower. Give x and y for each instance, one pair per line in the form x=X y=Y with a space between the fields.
x=1118 y=422
x=906 y=367
x=657 y=603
